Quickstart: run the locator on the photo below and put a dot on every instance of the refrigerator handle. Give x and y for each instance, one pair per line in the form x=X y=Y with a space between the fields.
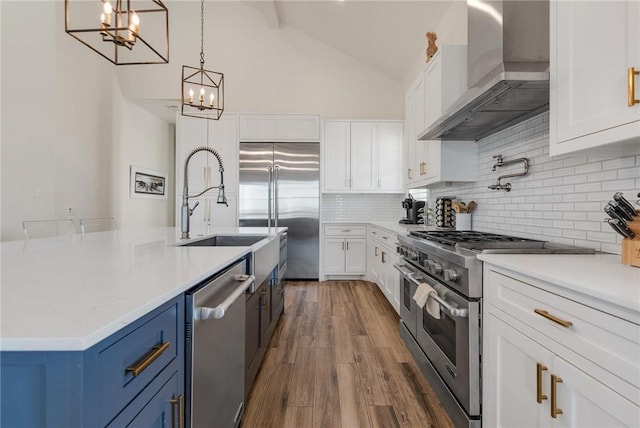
x=275 y=190
x=270 y=169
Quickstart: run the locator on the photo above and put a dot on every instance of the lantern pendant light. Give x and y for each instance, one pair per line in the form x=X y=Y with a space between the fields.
x=122 y=31
x=206 y=85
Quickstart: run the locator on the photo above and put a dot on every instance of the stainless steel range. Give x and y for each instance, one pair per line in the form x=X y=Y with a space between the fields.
x=448 y=350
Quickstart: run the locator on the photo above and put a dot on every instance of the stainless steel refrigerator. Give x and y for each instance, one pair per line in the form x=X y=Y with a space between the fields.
x=280 y=187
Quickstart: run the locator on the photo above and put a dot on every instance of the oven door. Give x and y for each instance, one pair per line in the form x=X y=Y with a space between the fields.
x=408 y=306
x=452 y=343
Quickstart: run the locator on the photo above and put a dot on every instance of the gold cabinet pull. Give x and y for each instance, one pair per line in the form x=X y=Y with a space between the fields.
x=555 y=410
x=180 y=403
x=423 y=168
x=153 y=355
x=383 y=259
x=632 y=72
x=547 y=315
x=376 y=252
x=409 y=173
x=539 y=395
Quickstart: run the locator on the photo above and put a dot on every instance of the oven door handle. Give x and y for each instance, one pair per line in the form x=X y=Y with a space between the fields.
x=454 y=312
x=405 y=272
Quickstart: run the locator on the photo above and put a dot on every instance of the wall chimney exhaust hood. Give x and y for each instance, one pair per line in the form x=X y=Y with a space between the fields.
x=508 y=70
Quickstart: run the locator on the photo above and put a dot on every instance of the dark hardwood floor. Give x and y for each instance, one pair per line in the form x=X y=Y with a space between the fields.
x=336 y=359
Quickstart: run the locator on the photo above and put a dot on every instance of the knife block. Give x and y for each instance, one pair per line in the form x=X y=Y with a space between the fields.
x=631 y=247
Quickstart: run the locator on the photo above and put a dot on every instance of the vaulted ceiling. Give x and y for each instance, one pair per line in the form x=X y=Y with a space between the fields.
x=382 y=34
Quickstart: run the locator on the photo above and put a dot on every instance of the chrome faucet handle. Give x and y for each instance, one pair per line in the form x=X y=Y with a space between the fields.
x=191 y=210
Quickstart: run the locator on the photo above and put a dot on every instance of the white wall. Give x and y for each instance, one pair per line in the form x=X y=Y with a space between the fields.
x=63 y=143
x=266 y=71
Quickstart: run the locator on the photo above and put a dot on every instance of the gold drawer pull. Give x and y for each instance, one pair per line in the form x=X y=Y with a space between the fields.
x=547 y=315
x=632 y=72
x=409 y=173
x=384 y=260
x=156 y=351
x=180 y=402
x=539 y=395
x=555 y=410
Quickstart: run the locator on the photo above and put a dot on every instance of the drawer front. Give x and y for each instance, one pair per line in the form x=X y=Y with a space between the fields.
x=128 y=365
x=158 y=406
x=383 y=237
x=345 y=230
x=608 y=341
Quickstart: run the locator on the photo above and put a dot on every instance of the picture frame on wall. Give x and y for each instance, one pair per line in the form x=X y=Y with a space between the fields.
x=147 y=183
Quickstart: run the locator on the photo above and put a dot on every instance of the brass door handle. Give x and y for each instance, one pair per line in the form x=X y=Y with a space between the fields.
x=180 y=403
x=539 y=395
x=547 y=315
x=631 y=73
x=555 y=410
x=156 y=351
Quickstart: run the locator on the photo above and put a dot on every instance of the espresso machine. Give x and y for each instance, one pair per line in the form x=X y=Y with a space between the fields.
x=413 y=208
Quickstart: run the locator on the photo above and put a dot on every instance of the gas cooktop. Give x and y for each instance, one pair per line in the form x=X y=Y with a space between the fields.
x=494 y=243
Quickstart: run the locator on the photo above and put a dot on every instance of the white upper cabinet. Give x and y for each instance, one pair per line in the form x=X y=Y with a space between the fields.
x=336 y=156
x=276 y=128
x=441 y=83
x=362 y=156
x=390 y=146
x=445 y=80
x=593 y=45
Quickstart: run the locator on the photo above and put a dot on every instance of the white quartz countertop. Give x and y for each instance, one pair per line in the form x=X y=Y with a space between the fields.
x=69 y=293
x=391 y=226
x=599 y=280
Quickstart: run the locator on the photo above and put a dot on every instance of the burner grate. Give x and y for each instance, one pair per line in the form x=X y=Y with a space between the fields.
x=454 y=237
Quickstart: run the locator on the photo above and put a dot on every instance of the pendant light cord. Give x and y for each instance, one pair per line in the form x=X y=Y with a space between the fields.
x=201 y=34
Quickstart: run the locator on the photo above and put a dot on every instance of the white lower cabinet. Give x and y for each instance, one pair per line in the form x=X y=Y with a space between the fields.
x=551 y=361
x=344 y=250
x=382 y=256
x=345 y=255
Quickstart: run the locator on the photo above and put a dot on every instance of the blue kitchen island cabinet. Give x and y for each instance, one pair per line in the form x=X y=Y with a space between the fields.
x=135 y=377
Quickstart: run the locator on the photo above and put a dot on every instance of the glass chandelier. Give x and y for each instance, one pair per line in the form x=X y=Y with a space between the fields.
x=207 y=85
x=122 y=31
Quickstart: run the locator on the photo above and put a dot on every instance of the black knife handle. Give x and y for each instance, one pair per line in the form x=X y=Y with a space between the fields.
x=611 y=212
x=624 y=204
x=622 y=213
x=620 y=227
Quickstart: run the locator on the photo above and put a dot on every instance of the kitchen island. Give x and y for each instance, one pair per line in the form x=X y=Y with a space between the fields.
x=74 y=308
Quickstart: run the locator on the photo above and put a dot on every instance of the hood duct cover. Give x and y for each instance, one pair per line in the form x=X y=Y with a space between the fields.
x=508 y=70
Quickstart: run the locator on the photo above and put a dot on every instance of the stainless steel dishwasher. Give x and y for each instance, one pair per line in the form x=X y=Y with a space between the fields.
x=215 y=349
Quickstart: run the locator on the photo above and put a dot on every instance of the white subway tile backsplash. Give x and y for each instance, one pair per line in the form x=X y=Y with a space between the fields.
x=618 y=163
x=602 y=176
x=362 y=207
x=560 y=200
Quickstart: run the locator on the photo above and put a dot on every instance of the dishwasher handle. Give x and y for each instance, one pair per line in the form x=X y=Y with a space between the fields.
x=205 y=313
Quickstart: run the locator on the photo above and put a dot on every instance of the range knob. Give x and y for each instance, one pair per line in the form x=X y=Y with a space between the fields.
x=450 y=275
x=435 y=267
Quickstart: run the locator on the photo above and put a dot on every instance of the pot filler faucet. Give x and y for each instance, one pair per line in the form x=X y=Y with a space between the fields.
x=501 y=162
x=186 y=211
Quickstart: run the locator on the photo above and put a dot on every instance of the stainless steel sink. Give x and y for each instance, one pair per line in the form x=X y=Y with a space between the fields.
x=226 y=241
